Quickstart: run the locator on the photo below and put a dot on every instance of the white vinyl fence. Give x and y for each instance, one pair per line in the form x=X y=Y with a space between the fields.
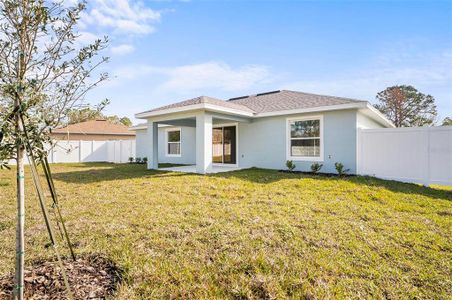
x=92 y=151
x=420 y=154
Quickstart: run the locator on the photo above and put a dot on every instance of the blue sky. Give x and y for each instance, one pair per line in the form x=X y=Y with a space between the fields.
x=167 y=51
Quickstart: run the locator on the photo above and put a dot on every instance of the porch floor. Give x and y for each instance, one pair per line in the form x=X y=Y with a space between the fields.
x=192 y=169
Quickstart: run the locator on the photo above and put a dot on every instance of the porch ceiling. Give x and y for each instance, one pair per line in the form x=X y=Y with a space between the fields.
x=191 y=121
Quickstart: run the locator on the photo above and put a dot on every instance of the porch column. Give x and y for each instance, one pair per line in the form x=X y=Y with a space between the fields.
x=203 y=143
x=152 y=148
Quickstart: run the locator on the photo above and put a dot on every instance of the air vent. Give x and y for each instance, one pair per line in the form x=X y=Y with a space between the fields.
x=268 y=93
x=238 y=98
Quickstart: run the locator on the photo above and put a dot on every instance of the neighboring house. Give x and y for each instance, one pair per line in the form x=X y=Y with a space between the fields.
x=263 y=130
x=94 y=130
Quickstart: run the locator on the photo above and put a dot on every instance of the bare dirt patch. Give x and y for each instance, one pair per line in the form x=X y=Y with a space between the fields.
x=90 y=277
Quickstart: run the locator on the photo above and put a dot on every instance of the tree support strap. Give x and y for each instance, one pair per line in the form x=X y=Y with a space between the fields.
x=58 y=216
x=44 y=210
x=49 y=178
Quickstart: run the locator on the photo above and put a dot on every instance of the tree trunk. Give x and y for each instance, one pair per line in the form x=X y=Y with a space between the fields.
x=20 y=239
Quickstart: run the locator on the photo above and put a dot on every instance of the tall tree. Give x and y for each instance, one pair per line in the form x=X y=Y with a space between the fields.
x=447 y=122
x=86 y=113
x=43 y=74
x=89 y=113
x=126 y=121
x=405 y=106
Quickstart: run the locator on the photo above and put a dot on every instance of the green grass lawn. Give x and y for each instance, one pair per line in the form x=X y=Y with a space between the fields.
x=249 y=234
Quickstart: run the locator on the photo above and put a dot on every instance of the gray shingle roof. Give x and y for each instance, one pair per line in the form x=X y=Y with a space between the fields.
x=204 y=99
x=287 y=100
x=267 y=102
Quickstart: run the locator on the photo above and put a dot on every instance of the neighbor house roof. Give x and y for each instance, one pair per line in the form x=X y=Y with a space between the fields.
x=273 y=103
x=95 y=127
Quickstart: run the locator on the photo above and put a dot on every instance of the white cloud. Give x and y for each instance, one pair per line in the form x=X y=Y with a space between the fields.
x=86 y=38
x=215 y=75
x=121 y=16
x=122 y=49
x=209 y=75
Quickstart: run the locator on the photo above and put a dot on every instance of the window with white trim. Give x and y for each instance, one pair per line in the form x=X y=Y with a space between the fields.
x=173 y=142
x=305 y=138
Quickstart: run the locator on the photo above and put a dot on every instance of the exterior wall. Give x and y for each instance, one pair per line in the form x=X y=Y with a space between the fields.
x=91 y=137
x=364 y=122
x=263 y=142
x=188 y=145
x=141 y=137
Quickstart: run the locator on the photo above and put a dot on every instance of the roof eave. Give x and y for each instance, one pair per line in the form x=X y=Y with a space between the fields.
x=200 y=106
x=378 y=116
x=91 y=133
x=134 y=128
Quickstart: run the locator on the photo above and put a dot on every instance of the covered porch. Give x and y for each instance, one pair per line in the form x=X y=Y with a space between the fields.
x=214 y=144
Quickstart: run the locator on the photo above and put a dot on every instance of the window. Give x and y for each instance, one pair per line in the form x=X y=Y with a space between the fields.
x=173 y=142
x=305 y=139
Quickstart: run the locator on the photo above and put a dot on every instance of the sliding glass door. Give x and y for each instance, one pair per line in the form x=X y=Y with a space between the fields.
x=217 y=141
x=224 y=143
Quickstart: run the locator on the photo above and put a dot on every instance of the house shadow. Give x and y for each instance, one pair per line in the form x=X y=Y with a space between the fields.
x=100 y=172
x=266 y=176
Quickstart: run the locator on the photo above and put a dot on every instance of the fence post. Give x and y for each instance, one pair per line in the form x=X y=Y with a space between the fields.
x=52 y=152
x=427 y=171
x=120 y=151
x=80 y=151
x=92 y=149
x=359 y=151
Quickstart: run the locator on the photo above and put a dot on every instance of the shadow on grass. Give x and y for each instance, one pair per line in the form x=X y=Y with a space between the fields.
x=99 y=172
x=268 y=176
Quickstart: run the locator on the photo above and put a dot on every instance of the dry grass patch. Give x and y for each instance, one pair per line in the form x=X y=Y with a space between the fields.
x=250 y=234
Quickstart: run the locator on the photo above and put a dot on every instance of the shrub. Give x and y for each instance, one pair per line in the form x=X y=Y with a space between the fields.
x=290 y=165
x=145 y=160
x=315 y=167
x=340 y=169
x=131 y=159
x=138 y=160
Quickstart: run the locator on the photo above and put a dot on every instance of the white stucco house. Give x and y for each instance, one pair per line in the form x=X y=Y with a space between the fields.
x=263 y=130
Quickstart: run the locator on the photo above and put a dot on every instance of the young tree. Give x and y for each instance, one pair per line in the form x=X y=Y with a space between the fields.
x=447 y=122
x=43 y=73
x=405 y=106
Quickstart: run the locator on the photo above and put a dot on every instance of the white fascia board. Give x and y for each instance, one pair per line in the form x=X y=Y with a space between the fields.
x=313 y=109
x=145 y=127
x=135 y=128
x=227 y=110
x=205 y=106
x=378 y=116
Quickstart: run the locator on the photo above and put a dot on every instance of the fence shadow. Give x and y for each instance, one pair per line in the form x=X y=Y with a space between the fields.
x=87 y=173
x=266 y=176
